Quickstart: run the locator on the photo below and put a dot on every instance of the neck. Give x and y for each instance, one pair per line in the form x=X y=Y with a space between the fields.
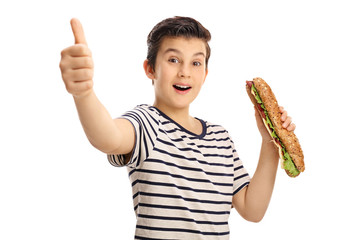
x=179 y=115
x=182 y=117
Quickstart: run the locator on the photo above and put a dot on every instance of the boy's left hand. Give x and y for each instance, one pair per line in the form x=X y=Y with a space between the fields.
x=287 y=123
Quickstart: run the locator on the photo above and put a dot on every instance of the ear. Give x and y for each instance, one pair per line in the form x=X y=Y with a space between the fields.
x=206 y=73
x=148 y=70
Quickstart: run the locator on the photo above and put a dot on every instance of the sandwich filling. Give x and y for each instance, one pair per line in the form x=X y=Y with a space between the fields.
x=287 y=162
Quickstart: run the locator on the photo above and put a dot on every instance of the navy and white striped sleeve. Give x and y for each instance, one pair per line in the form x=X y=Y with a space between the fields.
x=241 y=176
x=145 y=127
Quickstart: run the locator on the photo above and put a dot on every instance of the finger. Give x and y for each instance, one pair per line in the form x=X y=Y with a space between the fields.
x=78 y=75
x=77 y=50
x=78 y=31
x=287 y=122
x=76 y=88
x=284 y=115
x=291 y=127
x=81 y=62
x=281 y=109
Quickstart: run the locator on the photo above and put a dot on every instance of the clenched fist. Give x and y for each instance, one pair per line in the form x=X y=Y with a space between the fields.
x=77 y=67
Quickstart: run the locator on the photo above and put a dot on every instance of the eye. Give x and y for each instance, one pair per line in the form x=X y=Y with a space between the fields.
x=197 y=64
x=173 y=60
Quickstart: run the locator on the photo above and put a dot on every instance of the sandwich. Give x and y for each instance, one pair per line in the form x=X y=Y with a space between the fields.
x=290 y=152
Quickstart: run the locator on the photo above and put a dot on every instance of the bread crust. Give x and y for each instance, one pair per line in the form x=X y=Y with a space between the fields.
x=252 y=98
x=288 y=138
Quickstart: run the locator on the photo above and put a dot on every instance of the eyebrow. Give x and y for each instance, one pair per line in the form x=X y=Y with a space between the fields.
x=177 y=51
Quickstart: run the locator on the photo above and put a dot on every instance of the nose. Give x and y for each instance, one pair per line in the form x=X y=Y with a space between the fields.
x=184 y=71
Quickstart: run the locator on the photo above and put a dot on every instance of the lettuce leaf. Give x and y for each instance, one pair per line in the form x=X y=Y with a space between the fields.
x=268 y=121
x=289 y=165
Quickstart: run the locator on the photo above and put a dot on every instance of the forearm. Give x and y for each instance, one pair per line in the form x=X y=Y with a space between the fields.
x=252 y=201
x=77 y=70
x=261 y=186
x=97 y=123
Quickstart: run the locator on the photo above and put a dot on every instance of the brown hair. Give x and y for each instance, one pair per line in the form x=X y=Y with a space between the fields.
x=176 y=27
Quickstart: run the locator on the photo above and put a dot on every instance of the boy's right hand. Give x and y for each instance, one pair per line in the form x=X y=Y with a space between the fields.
x=77 y=67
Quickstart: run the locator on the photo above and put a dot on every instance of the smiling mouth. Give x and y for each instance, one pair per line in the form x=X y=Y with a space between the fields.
x=181 y=87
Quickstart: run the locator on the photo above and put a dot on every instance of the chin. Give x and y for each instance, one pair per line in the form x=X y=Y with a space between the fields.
x=176 y=102
x=178 y=105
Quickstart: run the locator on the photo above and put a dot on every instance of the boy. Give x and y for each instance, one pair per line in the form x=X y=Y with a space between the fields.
x=185 y=172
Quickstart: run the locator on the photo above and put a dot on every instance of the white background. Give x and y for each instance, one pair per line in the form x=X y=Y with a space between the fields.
x=55 y=185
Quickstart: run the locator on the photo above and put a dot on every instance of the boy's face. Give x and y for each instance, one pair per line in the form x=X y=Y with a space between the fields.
x=180 y=71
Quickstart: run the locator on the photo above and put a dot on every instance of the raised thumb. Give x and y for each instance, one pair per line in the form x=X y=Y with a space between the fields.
x=78 y=31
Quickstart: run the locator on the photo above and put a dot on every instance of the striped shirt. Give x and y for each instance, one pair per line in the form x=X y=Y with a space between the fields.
x=182 y=183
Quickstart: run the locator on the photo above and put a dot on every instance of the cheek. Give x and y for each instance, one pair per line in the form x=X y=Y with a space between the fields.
x=200 y=76
x=161 y=83
x=161 y=72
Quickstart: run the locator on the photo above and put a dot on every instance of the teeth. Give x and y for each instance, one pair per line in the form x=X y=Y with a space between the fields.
x=183 y=87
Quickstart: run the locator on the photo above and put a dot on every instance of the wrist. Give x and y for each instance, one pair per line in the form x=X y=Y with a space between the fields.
x=270 y=148
x=83 y=95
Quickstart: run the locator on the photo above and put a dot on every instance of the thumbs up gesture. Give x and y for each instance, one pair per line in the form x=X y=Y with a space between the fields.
x=77 y=67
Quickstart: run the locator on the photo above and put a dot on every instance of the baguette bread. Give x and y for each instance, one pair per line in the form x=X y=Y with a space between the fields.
x=287 y=138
